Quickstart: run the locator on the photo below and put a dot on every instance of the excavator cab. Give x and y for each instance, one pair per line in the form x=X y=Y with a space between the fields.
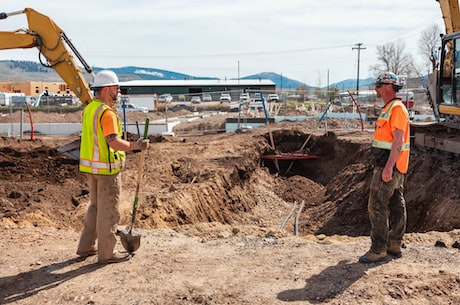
x=448 y=95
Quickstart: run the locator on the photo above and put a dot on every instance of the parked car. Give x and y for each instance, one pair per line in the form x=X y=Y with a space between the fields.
x=181 y=107
x=244 y=97
x=273 y=98
x=195 y=100
x=207 y=97
x=235 y=107
x=165 y=98
x=225 y=97
x=258 y=97
x=132 y=107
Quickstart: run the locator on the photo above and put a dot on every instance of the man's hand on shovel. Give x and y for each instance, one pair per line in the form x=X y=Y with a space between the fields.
x=142 y=143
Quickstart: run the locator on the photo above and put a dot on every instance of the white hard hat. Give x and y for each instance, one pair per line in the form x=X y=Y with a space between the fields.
x=389 y=78
x=105 y=78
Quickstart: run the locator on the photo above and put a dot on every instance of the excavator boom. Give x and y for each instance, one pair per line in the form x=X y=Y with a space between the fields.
x=52 y=43
x=11 y=40
x=451 y=15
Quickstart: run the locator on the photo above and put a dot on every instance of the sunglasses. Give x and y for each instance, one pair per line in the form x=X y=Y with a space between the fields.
x=380 y=85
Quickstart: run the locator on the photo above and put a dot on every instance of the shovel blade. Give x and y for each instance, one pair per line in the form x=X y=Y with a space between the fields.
x=130 y=240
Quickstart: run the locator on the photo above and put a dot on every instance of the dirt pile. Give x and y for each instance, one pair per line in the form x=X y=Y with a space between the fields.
x=211 y=208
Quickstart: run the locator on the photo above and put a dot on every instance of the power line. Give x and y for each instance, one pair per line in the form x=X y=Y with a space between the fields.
x=256 y=53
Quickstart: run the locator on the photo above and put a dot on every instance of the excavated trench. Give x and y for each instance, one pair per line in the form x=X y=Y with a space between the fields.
x=333 y=185
x=343 y=169
x=208 y=180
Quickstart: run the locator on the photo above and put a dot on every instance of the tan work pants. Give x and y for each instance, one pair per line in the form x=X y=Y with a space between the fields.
x=102 y=217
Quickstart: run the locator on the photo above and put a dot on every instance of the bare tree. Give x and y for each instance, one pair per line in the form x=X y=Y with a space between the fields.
x=393 y=58
x=428 y=43
x=302 y=91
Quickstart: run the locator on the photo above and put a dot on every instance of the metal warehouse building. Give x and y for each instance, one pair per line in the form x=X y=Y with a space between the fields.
x=189 y=88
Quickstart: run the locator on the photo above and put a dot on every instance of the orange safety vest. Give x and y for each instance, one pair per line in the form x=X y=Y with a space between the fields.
x=96 y=156
x=383 y=136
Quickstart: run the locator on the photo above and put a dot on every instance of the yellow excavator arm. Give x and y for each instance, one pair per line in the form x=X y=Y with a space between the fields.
x=53 y=44
x=451 y=15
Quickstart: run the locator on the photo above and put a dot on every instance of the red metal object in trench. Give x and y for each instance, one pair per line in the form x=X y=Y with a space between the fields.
x=289 y=157
x=359 y=110
x=32 y=135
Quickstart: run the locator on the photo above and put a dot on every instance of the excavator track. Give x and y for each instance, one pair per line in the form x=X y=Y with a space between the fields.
x=436 y=136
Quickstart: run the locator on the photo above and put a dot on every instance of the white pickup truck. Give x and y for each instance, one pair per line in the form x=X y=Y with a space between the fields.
x=273 y=98
x=225 y=97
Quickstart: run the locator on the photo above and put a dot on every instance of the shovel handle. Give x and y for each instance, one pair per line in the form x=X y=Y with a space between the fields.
x=142 y=157
x=139 y=176
x=146 y=128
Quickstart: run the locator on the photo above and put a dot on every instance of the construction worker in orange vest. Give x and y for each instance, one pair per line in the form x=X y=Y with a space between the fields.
x=390 y=158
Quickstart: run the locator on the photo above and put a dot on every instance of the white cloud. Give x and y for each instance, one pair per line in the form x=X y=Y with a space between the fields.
x=143 y=71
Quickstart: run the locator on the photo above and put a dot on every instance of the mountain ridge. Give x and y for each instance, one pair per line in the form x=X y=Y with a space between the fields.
x=22 y=71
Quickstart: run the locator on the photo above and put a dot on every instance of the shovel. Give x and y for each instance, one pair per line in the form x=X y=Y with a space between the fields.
x=130 y=240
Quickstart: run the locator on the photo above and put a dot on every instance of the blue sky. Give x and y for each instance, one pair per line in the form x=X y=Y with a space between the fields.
x=306 y=40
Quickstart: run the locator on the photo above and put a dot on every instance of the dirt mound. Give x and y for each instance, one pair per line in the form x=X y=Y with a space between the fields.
x=39 y=185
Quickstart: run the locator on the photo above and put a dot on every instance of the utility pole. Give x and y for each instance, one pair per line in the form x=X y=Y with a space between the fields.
x=238 y=74
x=281 y=86
x=359 y=48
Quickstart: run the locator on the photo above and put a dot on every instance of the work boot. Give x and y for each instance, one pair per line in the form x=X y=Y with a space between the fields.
x=90 y=252
x=117 y=257
x=372 y=257
x=394 y=248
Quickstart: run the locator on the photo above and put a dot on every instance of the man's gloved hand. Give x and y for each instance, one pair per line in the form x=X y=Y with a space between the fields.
x=142 y=143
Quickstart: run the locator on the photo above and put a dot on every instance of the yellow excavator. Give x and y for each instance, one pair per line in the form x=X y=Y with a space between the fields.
x=444 y=89
x=53 y=44
x=55 y=47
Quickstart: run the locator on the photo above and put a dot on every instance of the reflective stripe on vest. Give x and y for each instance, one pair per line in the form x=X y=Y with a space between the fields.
x=97 y=166
x=387 y=145
x=96 y=156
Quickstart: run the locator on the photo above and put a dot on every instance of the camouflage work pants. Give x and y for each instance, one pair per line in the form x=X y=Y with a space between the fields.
x=102 y=217
x=387 y=210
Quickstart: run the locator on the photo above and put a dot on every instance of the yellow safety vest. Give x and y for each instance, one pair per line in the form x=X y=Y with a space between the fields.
x=383 y=136
x=96 y=156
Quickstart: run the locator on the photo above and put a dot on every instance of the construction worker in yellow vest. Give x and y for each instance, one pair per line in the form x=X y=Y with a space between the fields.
x=102 y=157
x=390 y=159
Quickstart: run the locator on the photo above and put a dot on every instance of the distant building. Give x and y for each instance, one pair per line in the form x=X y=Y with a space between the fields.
x=34 y=88
x=6 y=87
x=136 y=89
x=189 y=88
